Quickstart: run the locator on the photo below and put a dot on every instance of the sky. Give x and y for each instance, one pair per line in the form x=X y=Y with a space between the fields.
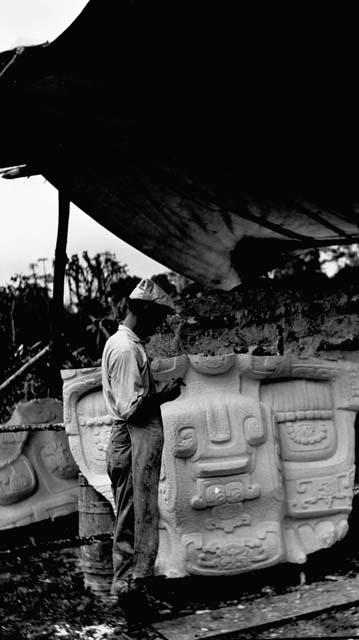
x=28 y=206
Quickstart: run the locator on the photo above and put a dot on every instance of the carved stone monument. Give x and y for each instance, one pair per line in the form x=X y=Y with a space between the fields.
x=38 y=475
x=258 y=461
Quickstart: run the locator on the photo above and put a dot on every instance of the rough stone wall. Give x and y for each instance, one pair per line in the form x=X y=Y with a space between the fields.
x=317 y=317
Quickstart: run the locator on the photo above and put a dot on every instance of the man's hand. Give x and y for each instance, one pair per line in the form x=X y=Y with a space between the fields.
x=171 y=390
x=149 y=405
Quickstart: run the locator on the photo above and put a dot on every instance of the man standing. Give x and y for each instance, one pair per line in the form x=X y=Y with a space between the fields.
x=134 y=453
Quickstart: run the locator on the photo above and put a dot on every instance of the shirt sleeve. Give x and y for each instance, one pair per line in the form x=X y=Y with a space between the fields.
x=126 y=382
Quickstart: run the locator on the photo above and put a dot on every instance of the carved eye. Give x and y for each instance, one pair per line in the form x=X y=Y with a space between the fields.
x=253 y=430
x=235 y=491
x=216 y=494
x=185 y=442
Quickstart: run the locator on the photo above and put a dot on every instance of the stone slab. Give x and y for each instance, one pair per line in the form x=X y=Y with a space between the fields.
x=38 y=475
x=258 y=458
x=262 y=612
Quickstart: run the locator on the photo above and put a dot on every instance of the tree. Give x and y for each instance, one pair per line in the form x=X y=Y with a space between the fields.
x=24 y=330
x=90 y=278
x=98 y=288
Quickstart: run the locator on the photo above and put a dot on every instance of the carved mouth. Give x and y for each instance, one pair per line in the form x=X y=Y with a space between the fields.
x=223 y=467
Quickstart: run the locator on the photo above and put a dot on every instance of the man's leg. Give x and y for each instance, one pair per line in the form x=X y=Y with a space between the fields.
x=130 y=597
x=119 y=466
x=147 y=444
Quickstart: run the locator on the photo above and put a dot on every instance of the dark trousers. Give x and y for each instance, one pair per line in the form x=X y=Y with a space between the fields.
x=133 y=464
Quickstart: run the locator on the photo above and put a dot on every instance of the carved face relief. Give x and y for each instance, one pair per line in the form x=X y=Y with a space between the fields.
x=257 y=463
x=228 y=433
x=17 y=481
x=217 y=435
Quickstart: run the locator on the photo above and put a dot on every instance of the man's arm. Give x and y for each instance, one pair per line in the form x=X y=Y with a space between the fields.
x=130 y=398
x=126 y=383
x=151 y=403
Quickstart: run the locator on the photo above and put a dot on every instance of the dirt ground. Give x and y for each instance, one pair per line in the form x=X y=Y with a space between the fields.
x=42 y=593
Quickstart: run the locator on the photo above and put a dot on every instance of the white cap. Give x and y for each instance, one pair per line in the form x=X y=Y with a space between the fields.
x=149 y=291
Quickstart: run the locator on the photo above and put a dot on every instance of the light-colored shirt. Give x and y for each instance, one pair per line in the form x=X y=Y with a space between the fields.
x=126 y=374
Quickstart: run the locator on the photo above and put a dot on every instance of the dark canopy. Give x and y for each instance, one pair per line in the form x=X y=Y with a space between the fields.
x=212 y=138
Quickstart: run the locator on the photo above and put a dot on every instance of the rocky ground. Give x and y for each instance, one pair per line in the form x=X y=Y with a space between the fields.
x=42 y=593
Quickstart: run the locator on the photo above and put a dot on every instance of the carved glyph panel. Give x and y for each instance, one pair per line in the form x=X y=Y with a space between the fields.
x=230 y=554
x=88 y=426
x=258 y=457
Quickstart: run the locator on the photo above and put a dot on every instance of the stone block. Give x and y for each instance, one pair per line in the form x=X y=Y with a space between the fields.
x=38 y=475
x=258 y=460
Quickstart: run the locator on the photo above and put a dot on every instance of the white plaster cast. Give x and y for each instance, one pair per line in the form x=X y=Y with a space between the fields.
x=38 y=475
x=258 y=460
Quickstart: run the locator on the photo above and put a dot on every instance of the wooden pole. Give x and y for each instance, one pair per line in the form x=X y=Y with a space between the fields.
x=57 y=310
x=24 y=368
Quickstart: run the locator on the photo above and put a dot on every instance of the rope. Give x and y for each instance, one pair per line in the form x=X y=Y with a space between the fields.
x=47 y=545
x=15 y=428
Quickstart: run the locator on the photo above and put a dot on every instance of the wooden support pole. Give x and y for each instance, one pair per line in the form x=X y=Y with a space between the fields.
x=95 y=517
x=24 y=368
x=57 y=310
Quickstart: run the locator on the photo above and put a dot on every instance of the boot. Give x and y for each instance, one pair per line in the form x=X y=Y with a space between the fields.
x=134 y=606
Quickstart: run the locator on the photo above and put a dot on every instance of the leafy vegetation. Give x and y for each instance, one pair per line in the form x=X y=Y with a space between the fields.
x=97 y=289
